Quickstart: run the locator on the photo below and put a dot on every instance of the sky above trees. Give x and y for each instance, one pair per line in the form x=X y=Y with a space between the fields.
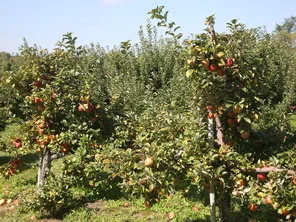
x=109 y=22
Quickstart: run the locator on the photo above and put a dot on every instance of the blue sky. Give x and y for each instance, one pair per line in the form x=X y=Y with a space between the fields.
x=109 y=22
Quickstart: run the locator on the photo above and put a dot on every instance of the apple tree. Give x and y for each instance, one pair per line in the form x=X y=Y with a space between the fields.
x=230 y=80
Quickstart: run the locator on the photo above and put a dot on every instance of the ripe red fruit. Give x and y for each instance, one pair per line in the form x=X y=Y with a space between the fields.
x=240 y=183
x=211 y=115
x=37 y=83
x=65 y=145
x=235 y=193
x=52 y=137
x=11 y=171
x=253 y=207
x=53 y=96
x=230 y=143
x=64 y=150
x=229 y=62
x=268 y=200
x=149 y=162
x=37 y=100
x=171 y=215
x=41 y=107
x=89 y=108
x=147 y=204
x=41 y=131
x=220 y=72
x=126 y=204
x=2 y=202
x=97 y=156
x=261 y=176
x=80 y=108
x=190 y=62
x=285 y=212
x=205 y=64
x=230 y=114
x=33 y=217
x=213 y=67
x=211 y=108
x=18 y=144
x=195 y=208
x=245 y=135
x=15 y=163
x=231 y=122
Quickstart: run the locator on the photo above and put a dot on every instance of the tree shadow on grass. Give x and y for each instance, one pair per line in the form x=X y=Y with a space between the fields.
x=27 y=160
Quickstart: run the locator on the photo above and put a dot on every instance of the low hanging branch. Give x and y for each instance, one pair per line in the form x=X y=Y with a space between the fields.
x=274 y=169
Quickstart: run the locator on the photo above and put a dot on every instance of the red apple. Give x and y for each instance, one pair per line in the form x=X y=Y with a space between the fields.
x=89 y=108
x=253 y=207
x=211 y=108
x=230 y=143
x=37 y=83
x=11 y=171
x=65 y=145
x=245 y=135
x=41 y=107
x=80 y=108
x=195 y=208
x=147 y=204
x=18 y=144
x=64 y=150
x=97 y=156
x=15 y=164
x=235 y=193
x=205 y=64
x=268 y=200
x=37 y=100
x=33 y=217
x=126 y=204
x=213 y=67
x=231 y=122
x=41 y=131
x=149 y=162
x=190 y=62
x=211 y=115
x=171 y=215
x=261 y=176
x=220 y=72
x=2 y=202
x=229 y=62
x=52 y=137
x=230 y=114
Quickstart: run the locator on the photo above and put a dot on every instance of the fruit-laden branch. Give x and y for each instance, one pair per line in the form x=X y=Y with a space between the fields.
x=273 y=169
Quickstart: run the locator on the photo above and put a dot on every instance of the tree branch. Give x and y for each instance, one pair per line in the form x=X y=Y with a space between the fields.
x=274 y=169
x=219 y=128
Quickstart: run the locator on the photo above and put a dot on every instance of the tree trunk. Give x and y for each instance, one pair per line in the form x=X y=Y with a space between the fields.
x=212 y=185
x=212 y=202
x=224 y=207
x=44 y=167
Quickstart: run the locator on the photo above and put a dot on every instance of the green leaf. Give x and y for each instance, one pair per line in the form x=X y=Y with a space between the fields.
x=189 y=72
